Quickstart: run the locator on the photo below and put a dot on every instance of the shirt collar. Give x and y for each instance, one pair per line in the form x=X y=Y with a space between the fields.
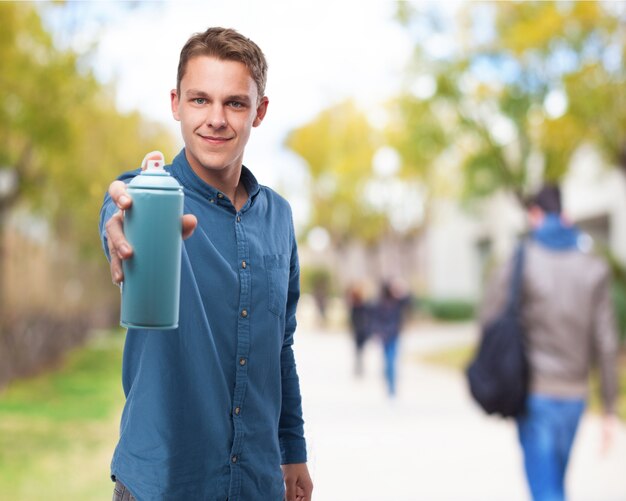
x=190 y=180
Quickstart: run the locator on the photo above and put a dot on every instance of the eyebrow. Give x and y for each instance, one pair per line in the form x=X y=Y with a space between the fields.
x=196 y=92
x=200 y=93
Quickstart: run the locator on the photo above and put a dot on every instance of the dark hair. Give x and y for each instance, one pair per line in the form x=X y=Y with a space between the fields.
x=228 y=45
x=548 y=199
x=386 y=290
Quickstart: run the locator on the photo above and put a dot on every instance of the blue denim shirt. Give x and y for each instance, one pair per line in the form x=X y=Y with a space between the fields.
x=213 y=407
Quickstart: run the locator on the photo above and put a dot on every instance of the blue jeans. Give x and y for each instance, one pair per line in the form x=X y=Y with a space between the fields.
x=390 y=349
x=546 y=433
x=121 y=493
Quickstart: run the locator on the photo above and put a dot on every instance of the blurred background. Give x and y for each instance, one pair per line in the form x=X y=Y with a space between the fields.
x=404 y=134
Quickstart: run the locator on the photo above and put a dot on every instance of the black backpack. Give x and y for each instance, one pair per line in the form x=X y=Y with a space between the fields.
x=498 y=375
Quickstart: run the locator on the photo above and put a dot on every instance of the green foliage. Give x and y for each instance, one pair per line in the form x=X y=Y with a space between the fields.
x=454 y=358
x=64 y=421
x=61 y=132
x=338 y=146
x=316 y=278
x=619 y=299
x=618 y=291
x=496 y=86
x=596 y=402
x=84 y=389
x=416 y=132
x=491 y=124
x=452 y=310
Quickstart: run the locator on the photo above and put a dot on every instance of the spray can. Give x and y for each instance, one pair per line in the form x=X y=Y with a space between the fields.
x=153 y=227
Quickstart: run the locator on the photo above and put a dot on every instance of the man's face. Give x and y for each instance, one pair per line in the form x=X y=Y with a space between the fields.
x=217 y=107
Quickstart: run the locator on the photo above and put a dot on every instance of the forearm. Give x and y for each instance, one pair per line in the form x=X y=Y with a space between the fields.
x=606 y=346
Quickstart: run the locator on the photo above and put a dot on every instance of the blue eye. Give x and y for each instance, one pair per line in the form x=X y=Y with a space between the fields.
x=199 y=100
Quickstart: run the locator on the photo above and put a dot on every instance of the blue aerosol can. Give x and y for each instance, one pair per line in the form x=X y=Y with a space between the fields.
x=153 y=227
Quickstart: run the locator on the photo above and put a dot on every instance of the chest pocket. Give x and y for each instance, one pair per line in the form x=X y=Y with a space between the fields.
x=277 y=268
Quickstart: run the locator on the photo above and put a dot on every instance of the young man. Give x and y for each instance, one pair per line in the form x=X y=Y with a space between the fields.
x=569 y=321
x=213 y=408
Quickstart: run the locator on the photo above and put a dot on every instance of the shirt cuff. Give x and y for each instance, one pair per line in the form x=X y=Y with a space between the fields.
x=293 y=451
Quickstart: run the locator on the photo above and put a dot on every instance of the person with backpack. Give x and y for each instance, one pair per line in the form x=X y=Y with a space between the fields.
x=569 y=323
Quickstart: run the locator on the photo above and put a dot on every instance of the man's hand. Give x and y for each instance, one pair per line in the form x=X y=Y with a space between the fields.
x=610 y=425
x=298 y=483
x=119 y=248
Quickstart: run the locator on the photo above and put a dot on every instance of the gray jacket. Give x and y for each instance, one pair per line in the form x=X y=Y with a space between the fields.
x=569 y=319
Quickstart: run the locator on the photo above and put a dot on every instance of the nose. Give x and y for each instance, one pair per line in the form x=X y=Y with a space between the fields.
x=216 y=118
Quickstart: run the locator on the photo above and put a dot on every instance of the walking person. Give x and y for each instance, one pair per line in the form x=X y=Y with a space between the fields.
x=213 y=407
x=388 y=318
x=360 y=324
x=569 y=321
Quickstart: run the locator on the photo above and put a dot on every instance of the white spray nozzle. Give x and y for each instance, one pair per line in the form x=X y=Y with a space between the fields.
x=155 y=164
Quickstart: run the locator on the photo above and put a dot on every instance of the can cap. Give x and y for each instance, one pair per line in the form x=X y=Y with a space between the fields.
x=155 y=177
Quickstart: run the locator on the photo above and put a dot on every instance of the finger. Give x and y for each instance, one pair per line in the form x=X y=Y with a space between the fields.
x=117 y=272
x=300 y=494
x=118 y=245
x=153 y=155
x=190 y=222
x=119 y=195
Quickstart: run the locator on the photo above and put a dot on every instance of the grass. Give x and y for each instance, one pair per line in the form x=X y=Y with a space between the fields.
x=457 y=359
x=58 y=430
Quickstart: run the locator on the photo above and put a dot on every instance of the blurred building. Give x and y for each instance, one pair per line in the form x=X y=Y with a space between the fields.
x=462 y=245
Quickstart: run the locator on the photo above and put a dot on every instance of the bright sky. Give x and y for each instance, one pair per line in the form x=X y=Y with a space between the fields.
x=319 y=52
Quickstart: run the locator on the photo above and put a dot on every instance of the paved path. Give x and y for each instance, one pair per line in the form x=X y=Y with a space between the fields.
x=431 y=443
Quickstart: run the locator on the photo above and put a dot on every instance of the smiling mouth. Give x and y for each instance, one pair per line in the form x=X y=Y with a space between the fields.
x=215 y=139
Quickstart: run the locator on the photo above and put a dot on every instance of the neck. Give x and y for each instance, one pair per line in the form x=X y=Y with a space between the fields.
x=233 y=189
x=227 y=181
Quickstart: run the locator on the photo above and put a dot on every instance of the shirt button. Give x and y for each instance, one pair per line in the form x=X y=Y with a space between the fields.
x=220 y=195
x=238 y=219
x=242 y=361
x=244 y=313
x=237 y=411
x=234 y=459
x=244 y=265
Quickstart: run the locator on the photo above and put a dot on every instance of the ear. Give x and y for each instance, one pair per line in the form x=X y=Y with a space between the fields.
x=174 y=101
x=261 y=110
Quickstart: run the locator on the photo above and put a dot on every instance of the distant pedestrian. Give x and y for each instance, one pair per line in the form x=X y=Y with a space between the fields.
x=388 y=319
x=360 y=323
x=569 y=319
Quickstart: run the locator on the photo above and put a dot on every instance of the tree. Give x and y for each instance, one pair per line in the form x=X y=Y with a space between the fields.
x=339 y=146
x=64 y=138
x=63 y=143
x=529 y=82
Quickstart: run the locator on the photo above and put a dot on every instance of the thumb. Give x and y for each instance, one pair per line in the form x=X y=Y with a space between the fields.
x=153 y=155
x=290 y=490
